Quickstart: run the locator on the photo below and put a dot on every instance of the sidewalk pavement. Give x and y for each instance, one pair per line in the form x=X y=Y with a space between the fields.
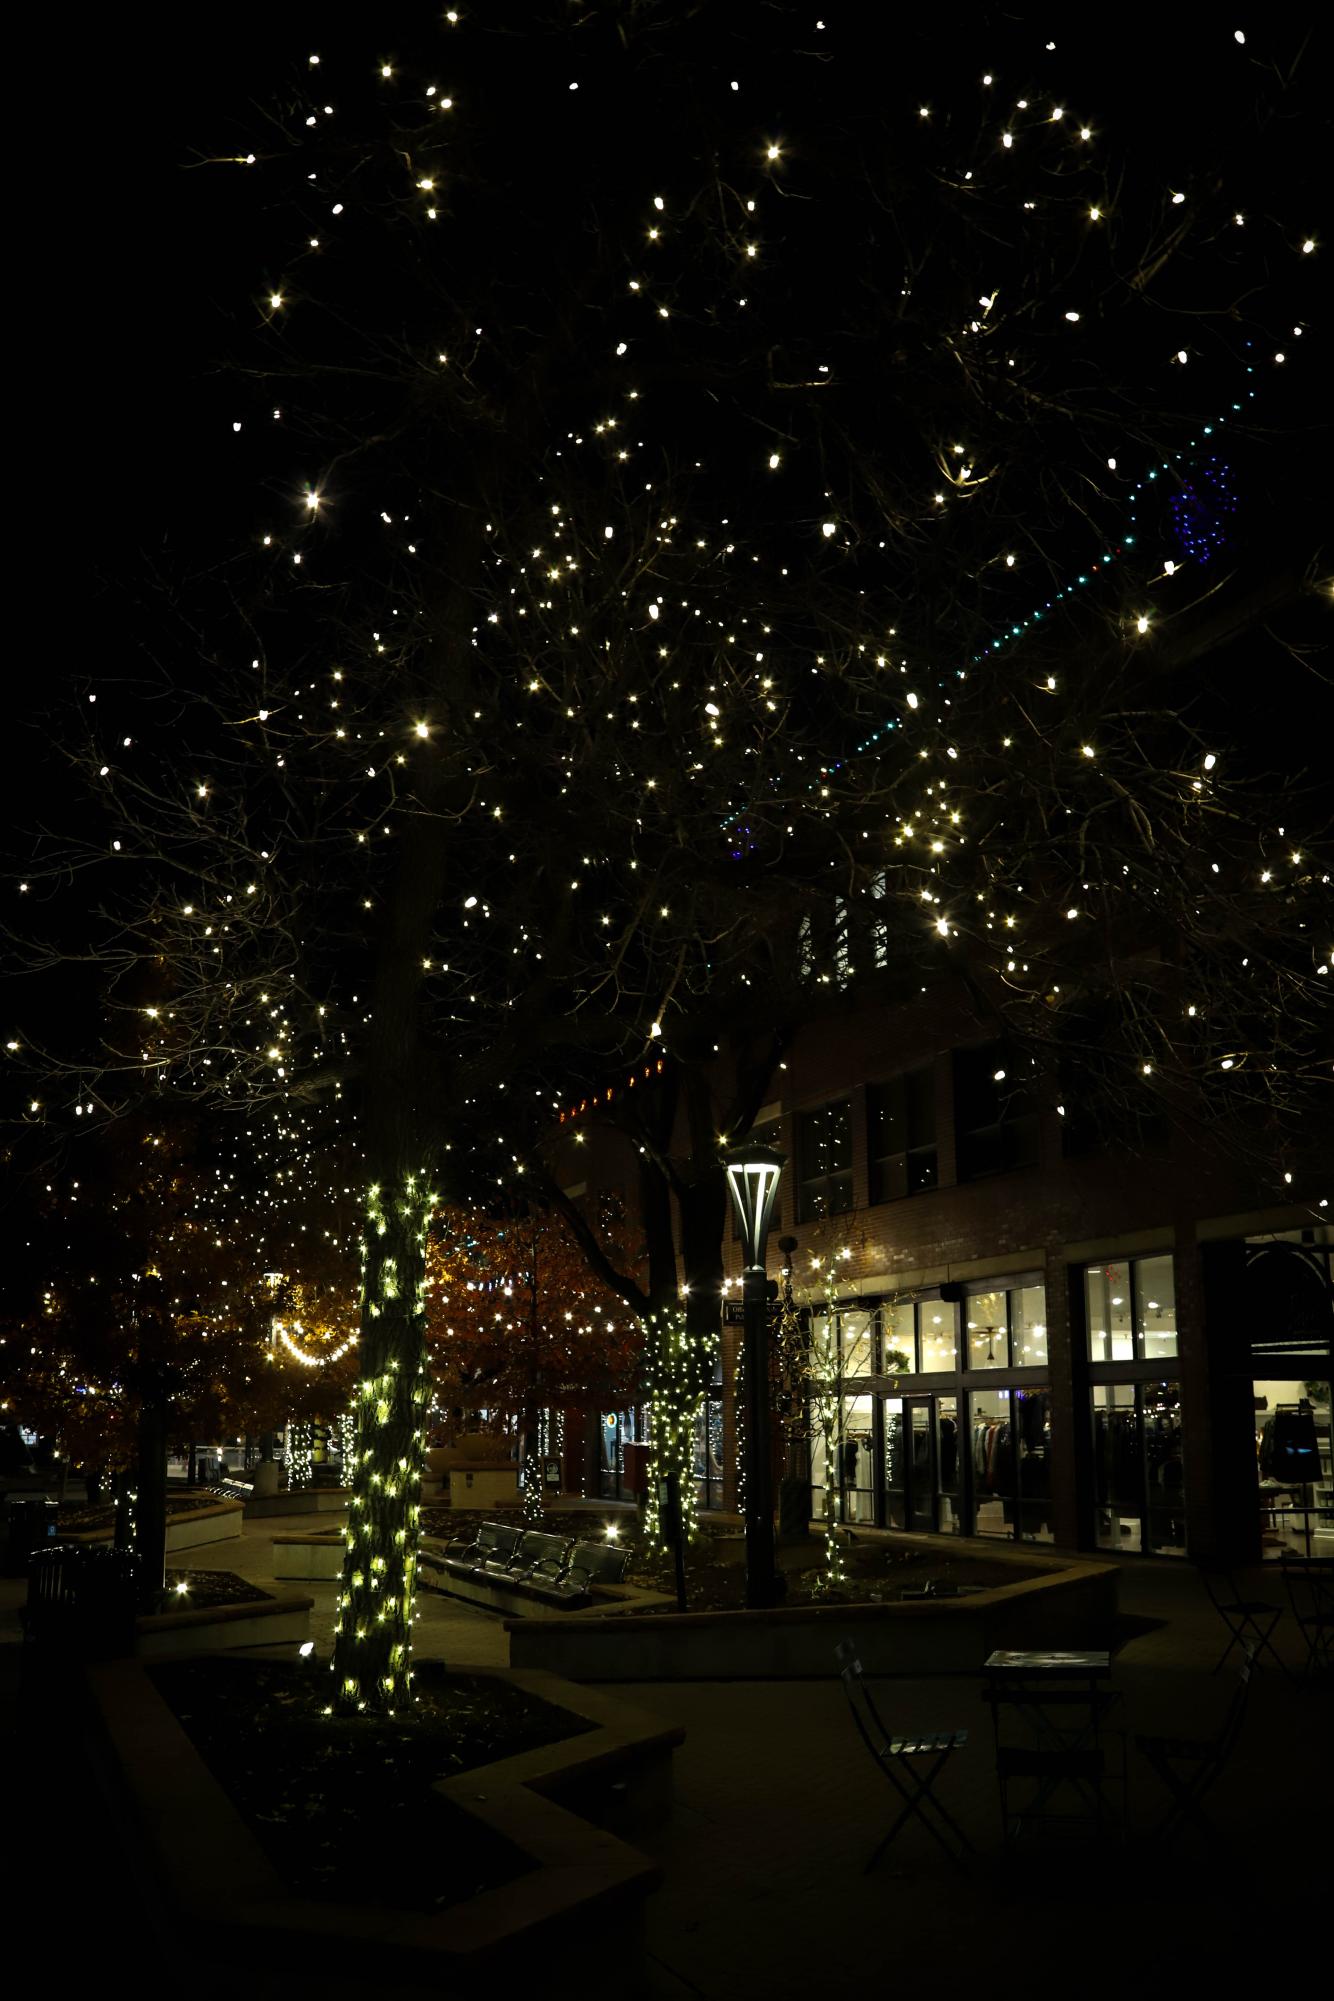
x=778 y=1806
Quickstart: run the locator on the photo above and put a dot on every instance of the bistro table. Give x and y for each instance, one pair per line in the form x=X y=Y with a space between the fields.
x=1047 y=1712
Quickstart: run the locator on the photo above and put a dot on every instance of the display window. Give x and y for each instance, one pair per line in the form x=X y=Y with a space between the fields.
x=1293 y=1455
x=1139 y=1468
x=709 y=1455
x=916 y=1453
x=1131 y=1309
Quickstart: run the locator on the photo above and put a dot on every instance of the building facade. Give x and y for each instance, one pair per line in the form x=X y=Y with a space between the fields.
x=1046 y=1336
x=1042 y=1334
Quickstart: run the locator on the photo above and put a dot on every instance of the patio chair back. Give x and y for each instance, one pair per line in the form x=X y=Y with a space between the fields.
x=1310 y=1588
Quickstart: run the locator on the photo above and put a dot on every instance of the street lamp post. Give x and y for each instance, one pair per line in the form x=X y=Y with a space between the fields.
x=753 y=1173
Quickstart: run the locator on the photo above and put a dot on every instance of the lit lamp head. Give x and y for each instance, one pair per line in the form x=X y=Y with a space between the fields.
x=753 y=1174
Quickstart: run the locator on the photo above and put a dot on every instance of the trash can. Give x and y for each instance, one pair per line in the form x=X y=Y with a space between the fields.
x=29 y=1522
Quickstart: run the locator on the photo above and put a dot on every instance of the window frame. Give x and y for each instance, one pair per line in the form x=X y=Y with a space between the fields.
x=882 y=1177
x=810 y=1187
x=1007 y=1126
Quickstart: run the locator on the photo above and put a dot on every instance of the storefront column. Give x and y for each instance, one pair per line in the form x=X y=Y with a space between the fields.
x=1069 y=1400
x=1193 y=1373
x=1236 y=1521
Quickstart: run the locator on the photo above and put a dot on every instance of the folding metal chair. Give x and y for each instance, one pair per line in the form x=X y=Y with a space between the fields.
x=911 y=1764
x=1190 y=1766
x=1310 y=1585
x=1250 y=1622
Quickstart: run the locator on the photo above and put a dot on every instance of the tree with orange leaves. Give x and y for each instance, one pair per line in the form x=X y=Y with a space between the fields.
x=515 y=1312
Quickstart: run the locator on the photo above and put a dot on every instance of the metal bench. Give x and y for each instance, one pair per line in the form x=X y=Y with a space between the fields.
x=494 y=1544
x=596 y=1563
x=540 y=1559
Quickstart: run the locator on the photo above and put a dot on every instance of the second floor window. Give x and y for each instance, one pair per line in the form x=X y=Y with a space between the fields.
x=995 y=1112
x=901 y=1116
x=824 y=1159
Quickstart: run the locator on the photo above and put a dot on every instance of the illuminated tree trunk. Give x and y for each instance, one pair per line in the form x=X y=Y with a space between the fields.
x=373 y=1640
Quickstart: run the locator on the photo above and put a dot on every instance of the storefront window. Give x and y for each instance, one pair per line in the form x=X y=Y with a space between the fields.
x=1028 y=1326
x=895 y=1465
x=618 y=1429
x=709 y=1454
x=1293 y=1444
x=1156 y=1307
x=1131 y=1309
x=1032 y=1419
x=988 y=1339
x=819 y=1488
x=1139 y=1474
x=1110 y=1314
x=993 y=1462
x=949 y=1463
x=857 y=1460
x=857 y=1333
x=938 y=1328
x=899 y=1324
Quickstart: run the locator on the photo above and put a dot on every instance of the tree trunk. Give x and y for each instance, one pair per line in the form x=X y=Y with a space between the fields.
x=373 y=1640
x=150 y=1525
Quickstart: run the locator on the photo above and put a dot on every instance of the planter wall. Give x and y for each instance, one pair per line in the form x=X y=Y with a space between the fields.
x=1071 y=1606
x=307 y=1556
x=216 y=1522
x=213 y=1629
x=309 y=1501
x=207 y=1525
x=586 y=1891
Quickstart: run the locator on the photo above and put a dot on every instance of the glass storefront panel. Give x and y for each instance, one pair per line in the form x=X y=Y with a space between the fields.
x=1107 y=1298
x=899 y=1329
x=1032 y=1417
x=857 y=1333
x=1156 y=1307
x=1118 y=1467
x=618 y=1429
x=1164 y=1472
x=708 y=1455
x=857 y=1460
x=938 y=1333
x=992 y=1436
x=949 y=1467
x=1293 y=1446
x=988 y=1339
x=921 y=1466
x=819 y=1490
x=896 y=1466
x=1028 y=1326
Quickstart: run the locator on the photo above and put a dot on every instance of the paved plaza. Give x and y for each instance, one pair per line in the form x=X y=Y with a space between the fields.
x=778 y=1807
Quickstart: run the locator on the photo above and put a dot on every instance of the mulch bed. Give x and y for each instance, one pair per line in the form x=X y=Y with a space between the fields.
x=207 y=1588
x=87 y=1519
x=879 y=1571
x=342 y=1804
x=715 y=1563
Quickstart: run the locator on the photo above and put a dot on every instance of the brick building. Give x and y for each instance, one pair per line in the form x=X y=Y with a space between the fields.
x=1107 y=1346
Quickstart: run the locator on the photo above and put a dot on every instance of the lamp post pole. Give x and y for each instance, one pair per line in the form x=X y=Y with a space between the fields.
x=761 y=1585
x=753 y=1172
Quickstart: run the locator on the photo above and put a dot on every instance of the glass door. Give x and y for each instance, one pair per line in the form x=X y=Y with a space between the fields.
x=920 y=1463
